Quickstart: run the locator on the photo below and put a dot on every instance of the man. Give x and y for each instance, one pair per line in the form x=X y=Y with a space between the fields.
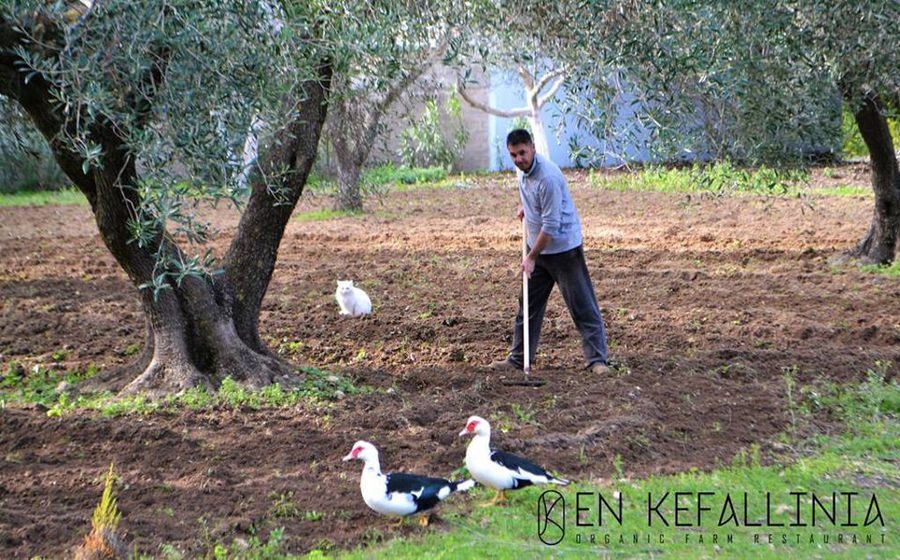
x=555 y=256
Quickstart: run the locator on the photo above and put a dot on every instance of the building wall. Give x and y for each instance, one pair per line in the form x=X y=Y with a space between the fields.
x=439 y=82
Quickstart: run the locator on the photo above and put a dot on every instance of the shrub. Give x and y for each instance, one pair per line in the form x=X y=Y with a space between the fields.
x=104 y=540
x=26 y=163
x=388 y=173
x=424 y=143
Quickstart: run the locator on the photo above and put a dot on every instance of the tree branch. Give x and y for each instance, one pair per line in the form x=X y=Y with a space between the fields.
x=36 y=98
x=550 y=76
x=509 y=114
x=552 y=92
x=873 y=127
x=251 y=257
x=527 y=78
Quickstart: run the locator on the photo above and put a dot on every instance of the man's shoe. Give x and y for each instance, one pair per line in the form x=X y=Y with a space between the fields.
x=504 y=366
x=600 y=368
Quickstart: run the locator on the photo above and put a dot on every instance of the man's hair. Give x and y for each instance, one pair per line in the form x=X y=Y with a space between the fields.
x=518 y=136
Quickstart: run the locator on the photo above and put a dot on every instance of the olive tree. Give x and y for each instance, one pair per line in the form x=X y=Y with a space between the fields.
x=503 y=38
x=853 y=45
x=367 y=91
x=145 y=105
x=756 y=81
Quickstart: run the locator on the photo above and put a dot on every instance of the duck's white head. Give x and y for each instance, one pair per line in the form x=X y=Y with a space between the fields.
x=476 y=425
x=362 y=450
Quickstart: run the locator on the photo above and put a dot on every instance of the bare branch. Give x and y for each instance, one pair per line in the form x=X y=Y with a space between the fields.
x=550 y=76
x=527 y=78
x=550 y=94
x=509 y=114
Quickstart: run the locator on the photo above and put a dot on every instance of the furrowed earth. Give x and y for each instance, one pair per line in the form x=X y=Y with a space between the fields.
x=710 y=302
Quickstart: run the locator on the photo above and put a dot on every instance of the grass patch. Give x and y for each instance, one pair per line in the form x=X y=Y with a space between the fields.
x=388 y=173
x=843 y=190
x=44 y=387
x=719 y=178
x=387 y=177
x=865 y=460
x=319 y=215
x=452 y=182
x=39 y=385
x=892 y=269
x=42 y=198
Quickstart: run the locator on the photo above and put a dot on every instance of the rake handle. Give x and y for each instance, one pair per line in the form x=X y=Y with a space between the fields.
x=526 y=366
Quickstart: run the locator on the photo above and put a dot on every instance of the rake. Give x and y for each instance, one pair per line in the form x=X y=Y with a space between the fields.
x=527 y=380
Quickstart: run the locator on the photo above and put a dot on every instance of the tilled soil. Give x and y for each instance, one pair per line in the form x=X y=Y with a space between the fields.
x=708 y=301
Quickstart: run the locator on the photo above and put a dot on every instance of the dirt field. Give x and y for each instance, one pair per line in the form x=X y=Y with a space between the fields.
x=706 y=301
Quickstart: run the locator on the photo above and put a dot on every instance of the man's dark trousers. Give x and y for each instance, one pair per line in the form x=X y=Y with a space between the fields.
x=569 y=271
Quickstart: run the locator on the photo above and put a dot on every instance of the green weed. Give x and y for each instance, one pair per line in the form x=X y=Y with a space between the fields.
x=892 y=269
x=40 y=385
x=283 y=505
x=44 y=386
x=313 y=515
x=524 y=413
x=844 y=190
x=619 y=466
x=721 y=178
x=104 y=541
x=389 y=174
x=255 y=548
x=320 y=215
x=42 y=198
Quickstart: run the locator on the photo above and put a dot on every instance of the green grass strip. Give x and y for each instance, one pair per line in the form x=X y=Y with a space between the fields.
x=42 y=198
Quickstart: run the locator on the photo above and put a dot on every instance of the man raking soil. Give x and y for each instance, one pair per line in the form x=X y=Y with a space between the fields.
x=552 y=255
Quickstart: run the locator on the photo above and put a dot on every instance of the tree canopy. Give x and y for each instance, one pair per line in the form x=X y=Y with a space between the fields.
x=753 y=81
x=146 y=105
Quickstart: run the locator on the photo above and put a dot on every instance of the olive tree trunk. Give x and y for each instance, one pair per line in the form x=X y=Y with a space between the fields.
x=355 y=120
x=204 y=329
x=880 y=242
x=350 y=154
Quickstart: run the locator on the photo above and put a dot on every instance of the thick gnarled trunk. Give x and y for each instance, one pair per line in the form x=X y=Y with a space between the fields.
x=251 y=257
x=203 y=329
x=880 y=242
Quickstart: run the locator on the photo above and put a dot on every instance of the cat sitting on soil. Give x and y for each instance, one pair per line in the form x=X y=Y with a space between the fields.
x=351 y=299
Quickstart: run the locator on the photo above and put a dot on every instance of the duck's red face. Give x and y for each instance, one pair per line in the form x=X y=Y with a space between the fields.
x=358 y=451
x=473 y=424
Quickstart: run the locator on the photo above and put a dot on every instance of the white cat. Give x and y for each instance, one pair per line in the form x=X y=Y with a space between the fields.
x=352 y=300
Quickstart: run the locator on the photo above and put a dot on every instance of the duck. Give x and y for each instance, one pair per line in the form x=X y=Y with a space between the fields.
x=497 y=469
x=400 y=494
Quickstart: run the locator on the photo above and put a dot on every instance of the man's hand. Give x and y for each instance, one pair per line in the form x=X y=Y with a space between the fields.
x=528 y=266
x=520 y=212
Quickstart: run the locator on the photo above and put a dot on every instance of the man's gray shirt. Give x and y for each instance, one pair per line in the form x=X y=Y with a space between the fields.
x=549 y=206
